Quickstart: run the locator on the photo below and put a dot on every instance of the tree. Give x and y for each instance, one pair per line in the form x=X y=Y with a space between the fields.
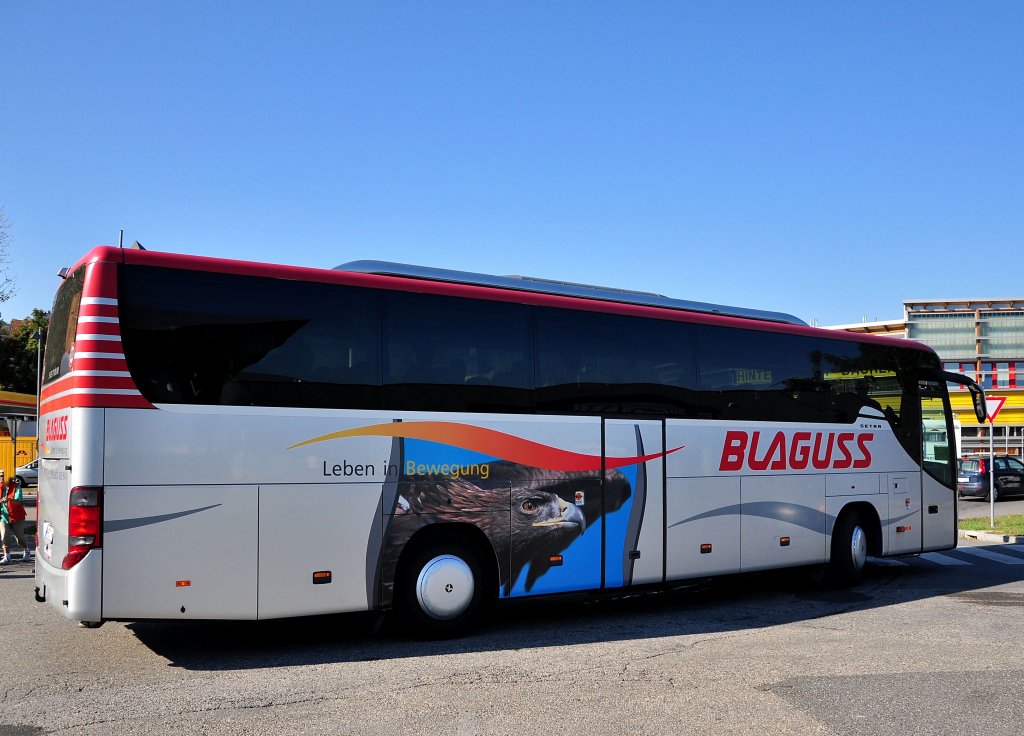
x=18 y=354
x=7 y=283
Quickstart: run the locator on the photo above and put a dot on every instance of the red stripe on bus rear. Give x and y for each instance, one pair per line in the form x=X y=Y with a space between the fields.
x=98 y=346
x=105 y=401
x=101 y=281
x=110 y=401
x=78 y=381
x=97 y=310
x=98 y=328
x=102 y=364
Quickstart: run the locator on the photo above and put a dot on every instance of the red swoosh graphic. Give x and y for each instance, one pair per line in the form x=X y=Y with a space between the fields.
x=489 y=442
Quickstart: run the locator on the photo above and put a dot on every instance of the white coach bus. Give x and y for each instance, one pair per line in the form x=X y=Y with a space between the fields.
x=232 y=440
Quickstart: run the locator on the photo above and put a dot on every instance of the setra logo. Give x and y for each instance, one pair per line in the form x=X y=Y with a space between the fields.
x=818 y=450
x=57 y=429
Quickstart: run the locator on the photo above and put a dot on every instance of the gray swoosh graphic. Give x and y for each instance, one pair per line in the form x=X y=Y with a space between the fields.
x=894 y=519
x=120 y=525
x=808 y=518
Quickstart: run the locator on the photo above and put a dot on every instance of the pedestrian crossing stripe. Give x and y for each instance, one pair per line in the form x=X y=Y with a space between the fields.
x=940 y=559
x=948 y=560
x=994 y=556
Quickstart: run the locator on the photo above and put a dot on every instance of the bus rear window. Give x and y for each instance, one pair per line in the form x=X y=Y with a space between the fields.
x=60 y=341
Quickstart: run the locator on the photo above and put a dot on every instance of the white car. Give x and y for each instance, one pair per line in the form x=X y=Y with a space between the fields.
x=28 y=474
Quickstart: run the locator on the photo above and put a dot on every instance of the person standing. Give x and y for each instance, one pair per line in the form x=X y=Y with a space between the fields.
x=12 y=520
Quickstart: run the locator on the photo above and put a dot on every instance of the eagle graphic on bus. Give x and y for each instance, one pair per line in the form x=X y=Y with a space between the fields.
x=529 y=525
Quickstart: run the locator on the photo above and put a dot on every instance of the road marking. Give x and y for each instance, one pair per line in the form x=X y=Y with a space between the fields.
x=994 y=556
x=880 y=562
x=940 y=559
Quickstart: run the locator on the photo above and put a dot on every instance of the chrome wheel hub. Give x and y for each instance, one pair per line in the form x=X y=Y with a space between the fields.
x=444 y=587
x=858 y=548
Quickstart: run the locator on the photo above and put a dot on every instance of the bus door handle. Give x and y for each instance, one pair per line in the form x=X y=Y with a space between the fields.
x=933 y=509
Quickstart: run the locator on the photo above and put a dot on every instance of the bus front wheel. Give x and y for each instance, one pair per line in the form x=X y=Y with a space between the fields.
x=441 y=589
x=849 y=549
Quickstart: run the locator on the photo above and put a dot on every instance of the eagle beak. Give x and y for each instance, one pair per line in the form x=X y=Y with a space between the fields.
x=569 y=515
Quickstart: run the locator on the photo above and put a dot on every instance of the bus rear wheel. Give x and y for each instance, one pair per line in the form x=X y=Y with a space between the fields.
x=440 y=589
x=849 y=549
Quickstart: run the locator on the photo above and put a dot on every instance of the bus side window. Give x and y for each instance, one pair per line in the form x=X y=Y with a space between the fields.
x=593 y=363
x=448 y=354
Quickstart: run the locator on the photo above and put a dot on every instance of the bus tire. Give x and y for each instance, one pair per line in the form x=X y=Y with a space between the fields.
x=849 y=549
x=440 y=589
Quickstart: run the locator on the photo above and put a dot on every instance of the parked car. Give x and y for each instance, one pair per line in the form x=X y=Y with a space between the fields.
x=973 y=477
x=28 y=474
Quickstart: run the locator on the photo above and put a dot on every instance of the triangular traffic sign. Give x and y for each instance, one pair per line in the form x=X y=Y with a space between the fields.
x=992 y=406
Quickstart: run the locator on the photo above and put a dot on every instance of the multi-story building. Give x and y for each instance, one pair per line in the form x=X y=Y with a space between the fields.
x=982 y=338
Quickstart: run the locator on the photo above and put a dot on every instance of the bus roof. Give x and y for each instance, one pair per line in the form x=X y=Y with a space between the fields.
x=596 y=298
x=562 y=288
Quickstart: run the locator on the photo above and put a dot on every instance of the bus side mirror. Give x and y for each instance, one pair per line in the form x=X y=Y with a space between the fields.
x=978 y=397
x=977 y=392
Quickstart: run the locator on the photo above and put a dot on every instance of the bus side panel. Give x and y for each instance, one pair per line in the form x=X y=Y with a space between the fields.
x=903 y=526
x=703 y=527
x=84 y=591
x=317 y=528
x=180 y=552
x=71 y=455
x=52 y=501
x=784 y=521
x=939 y=514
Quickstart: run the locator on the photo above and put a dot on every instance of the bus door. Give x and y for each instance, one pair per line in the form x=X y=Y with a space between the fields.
x=634 y=502
x=938 y=458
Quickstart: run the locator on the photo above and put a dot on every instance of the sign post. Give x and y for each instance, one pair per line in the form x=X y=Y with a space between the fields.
x=992 y=406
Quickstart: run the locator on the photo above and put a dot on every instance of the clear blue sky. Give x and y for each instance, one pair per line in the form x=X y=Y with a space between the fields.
x=826 y=159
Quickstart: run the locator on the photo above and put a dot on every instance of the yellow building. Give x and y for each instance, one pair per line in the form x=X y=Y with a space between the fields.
x=21 y=405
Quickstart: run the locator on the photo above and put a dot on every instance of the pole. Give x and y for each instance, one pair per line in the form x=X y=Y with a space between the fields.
x=12 y=425
x=991 y=477
x=39 y=375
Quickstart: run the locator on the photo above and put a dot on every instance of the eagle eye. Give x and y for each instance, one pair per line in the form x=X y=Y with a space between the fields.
x=530 y=506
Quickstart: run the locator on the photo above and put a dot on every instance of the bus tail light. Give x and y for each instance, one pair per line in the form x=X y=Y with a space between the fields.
x=85 y=531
